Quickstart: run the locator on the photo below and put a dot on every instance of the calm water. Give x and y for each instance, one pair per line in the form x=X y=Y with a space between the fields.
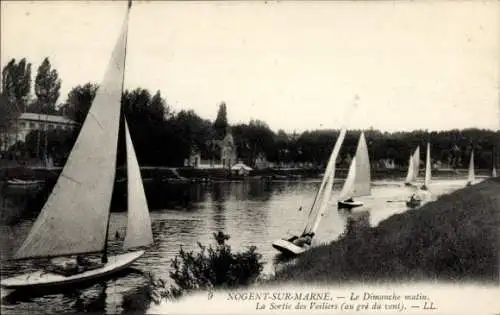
x=251 y=212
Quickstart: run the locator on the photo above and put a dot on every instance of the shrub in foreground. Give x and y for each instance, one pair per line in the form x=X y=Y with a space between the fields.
x=211 y=267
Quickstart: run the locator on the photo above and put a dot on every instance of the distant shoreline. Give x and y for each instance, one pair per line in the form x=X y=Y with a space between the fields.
x=162 y=173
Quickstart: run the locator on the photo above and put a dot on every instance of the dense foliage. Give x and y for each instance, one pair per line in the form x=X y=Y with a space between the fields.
x=210 y=268
x=163 y=137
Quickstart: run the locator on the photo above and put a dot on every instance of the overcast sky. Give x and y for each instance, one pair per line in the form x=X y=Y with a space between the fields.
x=295 y=65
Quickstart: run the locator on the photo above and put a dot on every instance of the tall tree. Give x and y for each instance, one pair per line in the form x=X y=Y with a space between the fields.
x=79 y=100
x=220 y=123
x=158 y=108
x=16 y=82
x=8 y=117
x=47 y=86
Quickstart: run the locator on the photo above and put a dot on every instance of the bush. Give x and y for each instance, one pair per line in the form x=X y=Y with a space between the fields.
x=208 y=269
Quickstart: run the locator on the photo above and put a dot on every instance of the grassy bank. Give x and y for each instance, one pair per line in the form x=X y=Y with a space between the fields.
x=455 y=238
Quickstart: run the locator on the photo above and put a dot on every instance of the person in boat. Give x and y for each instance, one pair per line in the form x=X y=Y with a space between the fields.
x=304 y=239
x=414 y=198
x=349 y=200
x=82 y=261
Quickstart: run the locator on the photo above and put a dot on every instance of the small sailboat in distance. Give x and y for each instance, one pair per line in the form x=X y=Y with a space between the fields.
x=296 y=245
x=358 y=181
x=471 y=176
x=413 y=167
x=75 y=219
x=427 y=179
x=493 y=162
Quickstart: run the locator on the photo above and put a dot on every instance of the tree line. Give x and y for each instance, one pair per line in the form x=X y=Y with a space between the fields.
x=164 y=137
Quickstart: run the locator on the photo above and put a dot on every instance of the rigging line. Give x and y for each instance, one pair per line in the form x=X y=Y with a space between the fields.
x=96 y=120
x=71 y=179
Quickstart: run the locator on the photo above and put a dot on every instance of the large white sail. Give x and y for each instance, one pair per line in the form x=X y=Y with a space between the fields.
x=413 y=166
x=362 y=183
x=324 y=192
x=74 y=219
x=325 y=198
x=138 y=222
x=348 y=188
x=411 y=170
x=471 y=177
x=427 y=179
x=358 y=181
x=416 y=163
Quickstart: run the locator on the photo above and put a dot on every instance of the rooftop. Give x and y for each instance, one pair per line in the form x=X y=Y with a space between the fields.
x=47 y=118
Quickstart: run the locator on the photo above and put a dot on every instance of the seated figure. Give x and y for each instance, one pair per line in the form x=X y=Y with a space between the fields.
x=305 y=239
x=415 y=197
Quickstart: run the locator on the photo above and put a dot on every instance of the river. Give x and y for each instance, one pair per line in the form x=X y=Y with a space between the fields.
x=252 y=212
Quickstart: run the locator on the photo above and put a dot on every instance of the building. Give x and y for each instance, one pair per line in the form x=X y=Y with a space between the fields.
x=28 y=122
x=241 y=169
x=261 y=162
x=387 y=163
x=228 y=155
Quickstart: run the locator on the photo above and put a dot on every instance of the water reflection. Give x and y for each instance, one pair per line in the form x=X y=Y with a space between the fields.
x=18 y=203
x=218 y=217
x=136 y=301
x=91 y=300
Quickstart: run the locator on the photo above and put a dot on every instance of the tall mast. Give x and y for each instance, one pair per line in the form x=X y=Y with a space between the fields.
x=104 y=258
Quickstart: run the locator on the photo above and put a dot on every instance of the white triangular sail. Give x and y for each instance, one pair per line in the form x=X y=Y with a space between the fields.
x=358 y=181
x=411 y=170
x=323 y=196
x=362 y=183
x=416 y=163
x=427 y=179
x=494 y=170
x=74 y=219
x=413 y=166
x=139 y=231
x=472 y=176
x=348 y=187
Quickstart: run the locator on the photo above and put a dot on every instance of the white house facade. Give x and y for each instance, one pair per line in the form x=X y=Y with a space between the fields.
x=28 y=122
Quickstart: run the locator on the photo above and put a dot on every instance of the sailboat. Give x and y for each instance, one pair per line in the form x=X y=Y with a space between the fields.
x=298 y=244
x=472 y=177
x=358 y=181
x=427 y=179
x=413 y=167
x=494 y=170
x=75 y=218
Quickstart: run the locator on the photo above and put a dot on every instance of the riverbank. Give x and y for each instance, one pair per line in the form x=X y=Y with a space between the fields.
x=455 y=238
x=189 y=174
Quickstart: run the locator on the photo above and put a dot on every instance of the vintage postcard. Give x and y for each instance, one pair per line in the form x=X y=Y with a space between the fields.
x=250 y=157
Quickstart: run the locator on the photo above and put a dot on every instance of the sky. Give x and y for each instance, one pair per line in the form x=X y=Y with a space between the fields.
x=390 y=65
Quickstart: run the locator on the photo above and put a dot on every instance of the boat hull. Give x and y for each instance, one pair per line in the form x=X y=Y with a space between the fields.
x=23 y=183
x=349 y=204
x=413 y=204
x=45 y=279
x=289 y=248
